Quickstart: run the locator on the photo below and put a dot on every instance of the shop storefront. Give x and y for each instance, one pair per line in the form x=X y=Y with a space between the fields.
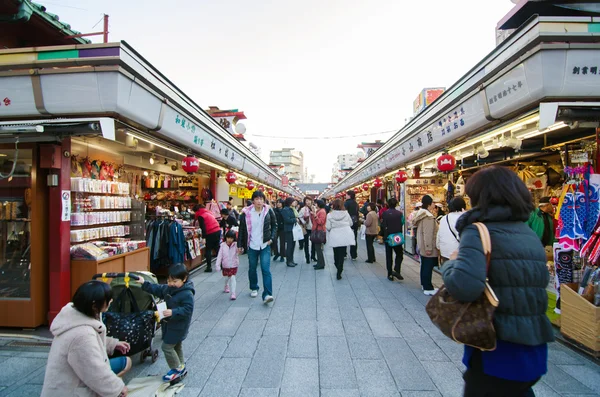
x=102 y=141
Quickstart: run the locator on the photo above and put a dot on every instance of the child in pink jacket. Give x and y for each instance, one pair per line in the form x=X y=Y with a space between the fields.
x=228 y=260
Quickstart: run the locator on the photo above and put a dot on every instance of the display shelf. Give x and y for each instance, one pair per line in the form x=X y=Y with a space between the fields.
x=100 y=224
x=98 y=238
x=105 y=209
x=171 y=188
x=100 y=193
x=15 y=220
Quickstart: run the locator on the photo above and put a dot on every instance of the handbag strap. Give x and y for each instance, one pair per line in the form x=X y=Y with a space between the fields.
x=486 y=242
x=450 y=227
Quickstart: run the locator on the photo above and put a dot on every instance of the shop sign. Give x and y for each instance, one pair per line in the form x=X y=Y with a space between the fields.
x=242 y=192
x=312 y=192
x=586 y=70
x=6 y=101
x=66 y=206
x=508 y=93
x=579 y=157
x=233 y=190
x=426 y=181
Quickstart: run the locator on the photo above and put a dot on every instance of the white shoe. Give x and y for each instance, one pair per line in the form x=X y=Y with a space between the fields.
x=430 y=292
x=268 y=299
x=557 y=311
x=254 y=294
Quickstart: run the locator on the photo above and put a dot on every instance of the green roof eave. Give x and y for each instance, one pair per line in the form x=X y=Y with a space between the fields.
x=53 y=19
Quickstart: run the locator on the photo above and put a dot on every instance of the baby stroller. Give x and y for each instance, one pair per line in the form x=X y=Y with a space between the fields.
x=132 y=315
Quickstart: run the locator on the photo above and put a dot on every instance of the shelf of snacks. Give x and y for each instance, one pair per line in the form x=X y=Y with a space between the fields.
x=82 y=235
x=88 y=185
x=104 y=257
x=99 y=218
x=168 y=182
x=171 y=195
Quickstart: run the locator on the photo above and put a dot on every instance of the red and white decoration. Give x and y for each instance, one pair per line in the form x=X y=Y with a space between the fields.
x=270 y=191
x=231 y=177
x=366 y=187
x=378 y=183
x=401 y=177
x=190 y=164
x=250 y=184
x=446 y=162
x=261 y=188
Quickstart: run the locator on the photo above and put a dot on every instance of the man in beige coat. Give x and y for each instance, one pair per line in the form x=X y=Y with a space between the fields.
x=427 y=228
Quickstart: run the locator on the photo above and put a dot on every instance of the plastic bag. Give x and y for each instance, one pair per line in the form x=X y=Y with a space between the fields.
x=297 y=232
x=363 y=232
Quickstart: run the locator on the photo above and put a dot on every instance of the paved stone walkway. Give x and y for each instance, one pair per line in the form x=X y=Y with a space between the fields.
x=360 y=336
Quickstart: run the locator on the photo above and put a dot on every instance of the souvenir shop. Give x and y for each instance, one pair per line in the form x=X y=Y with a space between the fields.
x=93 y=182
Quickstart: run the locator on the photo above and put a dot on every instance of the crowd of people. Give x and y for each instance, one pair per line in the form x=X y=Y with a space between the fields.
x=79 y=362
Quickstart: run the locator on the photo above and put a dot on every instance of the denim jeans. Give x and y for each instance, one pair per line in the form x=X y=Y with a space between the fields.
x=265 y=267
x=290 y=244
x=427 y=265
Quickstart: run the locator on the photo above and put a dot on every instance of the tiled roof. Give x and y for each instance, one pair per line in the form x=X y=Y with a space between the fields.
x=53 y=19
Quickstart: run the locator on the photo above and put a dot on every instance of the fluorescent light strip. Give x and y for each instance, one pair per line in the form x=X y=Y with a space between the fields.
x=206 y=162
x=553 y=127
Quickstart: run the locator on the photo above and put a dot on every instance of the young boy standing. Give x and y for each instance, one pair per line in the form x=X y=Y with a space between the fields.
x=179 y=296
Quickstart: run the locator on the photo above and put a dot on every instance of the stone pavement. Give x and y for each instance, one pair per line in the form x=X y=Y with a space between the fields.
x=360 y=336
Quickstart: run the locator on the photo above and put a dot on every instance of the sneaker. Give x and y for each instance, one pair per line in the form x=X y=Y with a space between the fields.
x=173 y=374
x=430 y=292
x=208 y=270
x=233 y=297
x=254 y=294
x=226 y=290
x=353 y=259
x=268 y=299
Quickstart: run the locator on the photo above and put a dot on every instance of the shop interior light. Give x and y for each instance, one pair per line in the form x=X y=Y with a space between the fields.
x=482 y=152
x=157 y=144
x=553 y=127
x=152 y=159
x=145 y=173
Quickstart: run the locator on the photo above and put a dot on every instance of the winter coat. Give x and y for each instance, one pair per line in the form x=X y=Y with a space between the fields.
x=305 y=217
x=518 y=274
x=228 y=256
x=208 y=222
x=372 y=223
x=392 y=222
x=78 y=361
x=352 y=208
x=319 y=220
x=279 y=219
x=177 y=244
x=447 y=237
x=289 y=219
x=269 y=226
x=339 y=229
x=427 y=227
x=181 y=302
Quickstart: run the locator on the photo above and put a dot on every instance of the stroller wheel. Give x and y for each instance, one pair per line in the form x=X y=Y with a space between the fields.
x=155 y=355
x=143 y=356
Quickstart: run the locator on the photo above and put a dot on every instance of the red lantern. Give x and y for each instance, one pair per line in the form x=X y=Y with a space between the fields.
x=249 y=184
x=366 y=187
x=356 y=190
x=554 y=200
x=378 y=183
x=446 y=162
x=231 y=177
x=281 y=194
x=190 y=164
x=270 y=191
x=401 y=177
x=261 y=188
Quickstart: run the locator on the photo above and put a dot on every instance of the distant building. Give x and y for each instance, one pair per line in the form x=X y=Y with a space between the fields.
x=347 y=161
x=292 y=160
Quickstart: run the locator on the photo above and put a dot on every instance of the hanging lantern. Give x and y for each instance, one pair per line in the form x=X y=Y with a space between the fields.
x=281 y=194
x=366 y=187
x=356 y=190
x=190 y=164
x=270 y=191
x=446 y=162
x=261 y=188
x=378 y=183
x=250 y=184
x=401 y=177
x=554 y=200
x=231 y=177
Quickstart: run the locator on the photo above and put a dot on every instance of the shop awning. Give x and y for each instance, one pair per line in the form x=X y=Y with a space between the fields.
x=82 y=126
x=568 y=112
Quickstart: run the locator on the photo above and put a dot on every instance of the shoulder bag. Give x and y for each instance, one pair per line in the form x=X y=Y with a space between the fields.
x=469 y=323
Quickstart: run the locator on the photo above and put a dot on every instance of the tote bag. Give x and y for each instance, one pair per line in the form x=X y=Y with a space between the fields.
x=297 y=232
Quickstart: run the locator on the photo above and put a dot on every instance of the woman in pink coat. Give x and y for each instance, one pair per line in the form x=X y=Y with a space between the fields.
x=229 y=261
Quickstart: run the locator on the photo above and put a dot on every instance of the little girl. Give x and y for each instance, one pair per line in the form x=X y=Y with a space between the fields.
x=228 y=259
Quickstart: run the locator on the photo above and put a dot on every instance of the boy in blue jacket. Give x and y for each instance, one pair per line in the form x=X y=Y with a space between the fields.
x=179 y=296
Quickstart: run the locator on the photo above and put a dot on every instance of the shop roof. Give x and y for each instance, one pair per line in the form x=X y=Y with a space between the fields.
x=34 y=25
x=526 y=9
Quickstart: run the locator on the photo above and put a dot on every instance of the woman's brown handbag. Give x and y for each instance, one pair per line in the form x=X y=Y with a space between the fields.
x=469 y=323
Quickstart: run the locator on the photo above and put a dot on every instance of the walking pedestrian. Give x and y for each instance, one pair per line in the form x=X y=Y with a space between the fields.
x=228 y=260
x=352 y=207
x=178 y=293
x=319 y=220
x=339 y=234
x=393 y=223
x=427 y=227
x=289 y=220
x=413 y=228
x=211 y=232
x=517 y=274
x=258 y=228
x=279 y=249
x=447 y=237
x=305 y=218
x=372 y=226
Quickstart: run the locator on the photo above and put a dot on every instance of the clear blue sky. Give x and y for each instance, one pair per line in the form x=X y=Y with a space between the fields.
x=302 y=68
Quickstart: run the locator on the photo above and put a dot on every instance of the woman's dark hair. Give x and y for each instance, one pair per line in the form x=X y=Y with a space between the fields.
x=306 y=198
x=320 y=203
x=196 y=208
x=91 y=297
x=498 y=186
x=392 y=203
x=231 y=234
x=426 y=201
x=457 y=204
x=225 y=212
x=371 y=205
x=352 y=194
x=178 y=271
x=337 y=205
x=288 y=202
x=258 y=194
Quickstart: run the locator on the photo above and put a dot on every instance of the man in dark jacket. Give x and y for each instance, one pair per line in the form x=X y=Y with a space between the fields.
x=392 y=222
x=289 y=220
x=258 y=228
x=352 y=207
x=279 y=251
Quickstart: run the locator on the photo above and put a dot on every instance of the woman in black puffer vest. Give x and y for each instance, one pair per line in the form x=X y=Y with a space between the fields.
x=517 y=274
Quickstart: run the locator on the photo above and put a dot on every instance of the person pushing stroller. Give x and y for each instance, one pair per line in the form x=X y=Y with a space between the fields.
x=179 y=297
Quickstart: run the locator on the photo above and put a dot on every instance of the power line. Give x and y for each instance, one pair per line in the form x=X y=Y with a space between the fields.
x=65 y=6
x=320 y=137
